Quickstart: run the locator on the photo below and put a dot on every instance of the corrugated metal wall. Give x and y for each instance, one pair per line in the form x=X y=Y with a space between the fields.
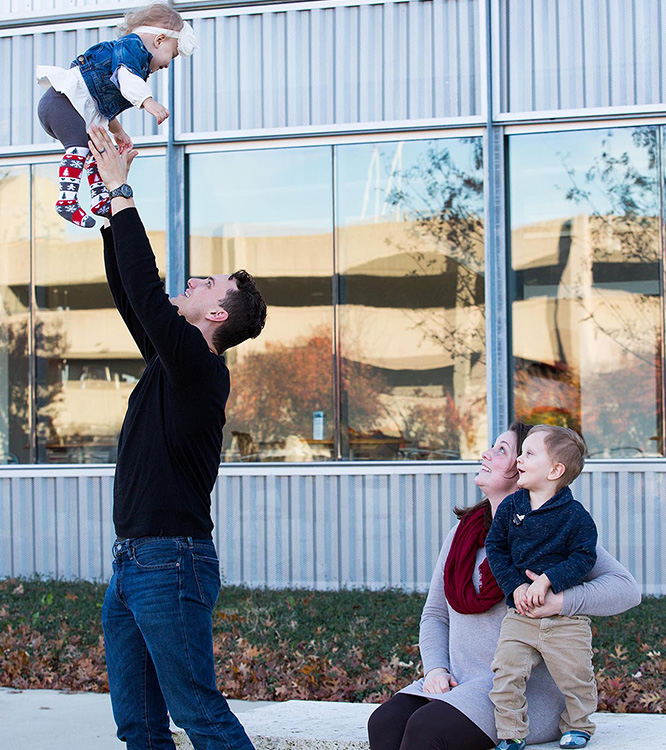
x=317 y=527
x=293 y=66
x=573 y=54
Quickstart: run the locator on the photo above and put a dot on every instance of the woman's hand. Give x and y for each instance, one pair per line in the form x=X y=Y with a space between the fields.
x=113 y=167
x=438 y=680
x=552 y=605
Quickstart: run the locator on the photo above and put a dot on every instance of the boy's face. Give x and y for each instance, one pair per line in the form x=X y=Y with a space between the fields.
x=536 y=469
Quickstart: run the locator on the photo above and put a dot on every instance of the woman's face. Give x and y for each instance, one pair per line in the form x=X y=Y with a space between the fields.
x=498 y=476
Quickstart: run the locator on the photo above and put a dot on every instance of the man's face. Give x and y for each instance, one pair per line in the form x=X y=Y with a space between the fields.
x=534 y=464
x=201 y=300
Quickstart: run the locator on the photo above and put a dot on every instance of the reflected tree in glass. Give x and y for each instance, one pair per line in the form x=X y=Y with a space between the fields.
x=425 y=277
x=605 y=286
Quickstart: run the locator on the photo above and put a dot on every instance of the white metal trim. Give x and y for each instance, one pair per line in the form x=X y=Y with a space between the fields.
x=333 y=468
x=558 y=127
x=583 y=113
x=369 y=128
x=330 y=140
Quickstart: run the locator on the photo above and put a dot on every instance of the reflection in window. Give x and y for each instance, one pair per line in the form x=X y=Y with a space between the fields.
x=270 y=212
x=15 y=400
x=86 y=361
x=585 y=253
x=412 y=329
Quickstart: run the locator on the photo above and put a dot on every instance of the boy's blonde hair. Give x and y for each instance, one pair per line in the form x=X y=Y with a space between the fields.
x=156 y=14
x=566 y=447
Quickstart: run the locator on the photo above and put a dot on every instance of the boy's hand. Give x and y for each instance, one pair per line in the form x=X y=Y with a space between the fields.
x=536 y=593
x=520 y=598
x=154 y=108
x=438 y=680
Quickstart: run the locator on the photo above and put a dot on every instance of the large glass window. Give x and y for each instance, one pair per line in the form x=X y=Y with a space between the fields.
x=270 y=212
x=586 y=260
x=412 y=329
x=86 y=362
x=15 y=402
x=399 y=372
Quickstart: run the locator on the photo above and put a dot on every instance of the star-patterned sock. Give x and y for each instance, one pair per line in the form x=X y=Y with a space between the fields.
x=99 y=195
x=69 y=174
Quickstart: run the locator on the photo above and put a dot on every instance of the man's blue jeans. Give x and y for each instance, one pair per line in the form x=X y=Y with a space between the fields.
x=158 y=634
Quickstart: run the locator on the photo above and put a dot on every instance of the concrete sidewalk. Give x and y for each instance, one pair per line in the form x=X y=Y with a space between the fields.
x=50 y=720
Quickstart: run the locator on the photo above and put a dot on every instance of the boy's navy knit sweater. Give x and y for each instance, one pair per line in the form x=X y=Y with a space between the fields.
x=558 y=539
x=170 y=442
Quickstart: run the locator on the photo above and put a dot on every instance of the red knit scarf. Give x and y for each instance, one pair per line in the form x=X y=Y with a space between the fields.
x=459 y=568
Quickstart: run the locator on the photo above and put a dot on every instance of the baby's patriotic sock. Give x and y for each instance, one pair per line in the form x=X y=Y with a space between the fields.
x=69 y=174
x=99 y=196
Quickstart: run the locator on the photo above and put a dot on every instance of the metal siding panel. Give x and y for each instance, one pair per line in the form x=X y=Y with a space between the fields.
x=346 y=64
x=6 y=100
x=646 y=49
x=44 y=518
x=22 y=71
x=249 y=32
x=206 y=99
x=273 y=510
x=620 y=49
x=396 y=518
x=572 y=84
x=297 y=42
x=419 y=59
x=445 y=62
x=322 y=65
x=6 y=528
x=107 y=532
x=519 y=33
x=465 y=41
x=23 y=527
x=276 y=88
x=396 y=40
x=371 y=43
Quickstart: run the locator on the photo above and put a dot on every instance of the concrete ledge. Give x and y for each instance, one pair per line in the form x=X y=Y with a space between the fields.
x=310 y=725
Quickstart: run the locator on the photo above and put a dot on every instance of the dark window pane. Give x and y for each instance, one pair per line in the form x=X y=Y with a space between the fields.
x=87 y=363
x=586 y=260
x=412 y=329
x=14 y=318
x=270 y=212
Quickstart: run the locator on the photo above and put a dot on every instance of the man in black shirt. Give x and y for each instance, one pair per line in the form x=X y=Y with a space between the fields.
x=157 y=613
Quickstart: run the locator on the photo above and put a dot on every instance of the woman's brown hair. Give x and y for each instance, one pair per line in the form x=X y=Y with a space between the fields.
x=520 y=430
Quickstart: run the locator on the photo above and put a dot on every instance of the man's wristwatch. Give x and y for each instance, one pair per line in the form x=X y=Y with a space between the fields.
x=122 y=191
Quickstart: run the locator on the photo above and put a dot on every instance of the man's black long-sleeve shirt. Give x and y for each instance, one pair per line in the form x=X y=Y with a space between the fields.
x=170 y=442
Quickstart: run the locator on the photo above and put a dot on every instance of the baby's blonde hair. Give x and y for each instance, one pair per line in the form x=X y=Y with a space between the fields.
x=156 y=14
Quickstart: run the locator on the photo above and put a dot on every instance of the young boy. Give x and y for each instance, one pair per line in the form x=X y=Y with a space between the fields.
x=542 y=528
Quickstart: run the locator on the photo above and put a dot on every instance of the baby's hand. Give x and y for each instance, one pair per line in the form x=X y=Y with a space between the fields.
x=154 y=108
x=123 y=141
x=536 y=593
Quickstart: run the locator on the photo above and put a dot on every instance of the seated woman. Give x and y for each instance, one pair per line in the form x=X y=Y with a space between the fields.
x=449 y=709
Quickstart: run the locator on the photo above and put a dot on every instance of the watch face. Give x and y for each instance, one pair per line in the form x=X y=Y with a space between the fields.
x=126 y=191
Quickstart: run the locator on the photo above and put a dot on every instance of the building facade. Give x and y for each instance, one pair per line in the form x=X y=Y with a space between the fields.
x=456 y=211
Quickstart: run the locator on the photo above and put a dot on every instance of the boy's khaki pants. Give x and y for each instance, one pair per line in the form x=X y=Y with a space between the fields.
x=565 y=645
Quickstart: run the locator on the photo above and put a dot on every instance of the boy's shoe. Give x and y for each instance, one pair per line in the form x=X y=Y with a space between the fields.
x=575 y=738
x=510 y=745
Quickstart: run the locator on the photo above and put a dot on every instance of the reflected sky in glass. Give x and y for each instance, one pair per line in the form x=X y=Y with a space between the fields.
x=543 y=159
x=261 y=193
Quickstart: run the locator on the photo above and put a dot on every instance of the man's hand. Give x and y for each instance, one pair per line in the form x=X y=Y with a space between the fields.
x=154 y=108
x=438 y=680
x=520 y=598
x=552 y=605
x=536 y=593
x=113 y=167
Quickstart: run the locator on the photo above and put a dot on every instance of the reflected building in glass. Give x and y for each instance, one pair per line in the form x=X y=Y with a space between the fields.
x=452 y=229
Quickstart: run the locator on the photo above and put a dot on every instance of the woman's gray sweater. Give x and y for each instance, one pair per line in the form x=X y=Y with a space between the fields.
x=465 y=644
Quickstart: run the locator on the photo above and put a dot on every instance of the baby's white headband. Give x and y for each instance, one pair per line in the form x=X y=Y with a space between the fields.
x=187 y=42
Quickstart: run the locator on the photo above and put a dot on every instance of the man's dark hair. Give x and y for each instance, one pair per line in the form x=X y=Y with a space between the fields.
x=247 y=313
